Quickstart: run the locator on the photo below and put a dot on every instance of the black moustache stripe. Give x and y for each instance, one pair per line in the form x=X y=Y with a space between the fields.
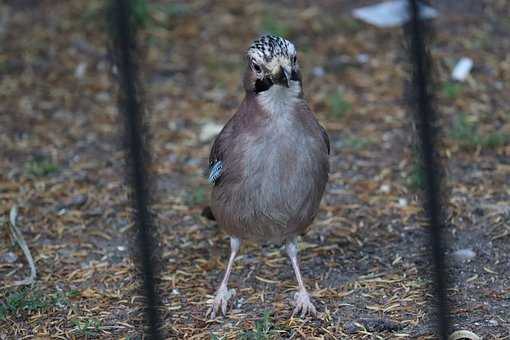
x=262 y=85
x=295 y=76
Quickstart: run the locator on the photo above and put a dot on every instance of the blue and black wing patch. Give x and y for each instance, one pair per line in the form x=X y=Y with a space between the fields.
x=215 y=171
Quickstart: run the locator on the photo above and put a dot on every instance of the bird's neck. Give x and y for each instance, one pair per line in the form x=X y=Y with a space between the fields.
x=280 y=100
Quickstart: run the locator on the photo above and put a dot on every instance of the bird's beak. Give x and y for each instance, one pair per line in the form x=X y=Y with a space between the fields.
x=282 y=77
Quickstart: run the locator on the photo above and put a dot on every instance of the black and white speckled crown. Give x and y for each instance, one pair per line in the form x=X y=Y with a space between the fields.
x=268 y=47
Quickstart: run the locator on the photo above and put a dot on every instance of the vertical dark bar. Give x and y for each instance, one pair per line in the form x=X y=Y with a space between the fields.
x=426 y=119
x=124 y=42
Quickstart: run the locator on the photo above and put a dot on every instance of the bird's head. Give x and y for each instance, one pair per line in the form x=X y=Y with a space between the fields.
x=272 y=61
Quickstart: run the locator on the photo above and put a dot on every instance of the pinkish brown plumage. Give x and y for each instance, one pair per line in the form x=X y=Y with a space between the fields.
x=269 y=165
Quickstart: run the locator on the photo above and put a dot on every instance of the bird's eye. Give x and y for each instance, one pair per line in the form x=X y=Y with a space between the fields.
x=256 y=67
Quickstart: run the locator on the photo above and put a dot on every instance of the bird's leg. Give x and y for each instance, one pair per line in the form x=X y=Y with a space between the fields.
x=223 y=294
x=301 y=298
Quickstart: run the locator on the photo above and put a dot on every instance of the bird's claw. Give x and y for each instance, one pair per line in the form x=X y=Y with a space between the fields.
x=302 y=303
x=220 y=301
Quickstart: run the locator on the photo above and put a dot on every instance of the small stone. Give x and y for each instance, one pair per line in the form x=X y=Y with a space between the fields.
x=103 y=97
x=80 y=70
x=462 y=69
x=493 y=323
x=318 y=71
x=402 y=202
x=464 y=254
x=385 y=188
x=175 y=291
x=121 y=248
x=8 y=257
x=239 y=302
x=362 y=58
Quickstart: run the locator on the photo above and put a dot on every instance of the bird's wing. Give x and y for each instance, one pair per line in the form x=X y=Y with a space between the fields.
x=215 y=162
x=216 y=156
x=325 y=137
x=215 y=172
x=313 y=123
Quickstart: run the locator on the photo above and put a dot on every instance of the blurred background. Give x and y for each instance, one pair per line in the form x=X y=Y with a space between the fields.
x=62 y=164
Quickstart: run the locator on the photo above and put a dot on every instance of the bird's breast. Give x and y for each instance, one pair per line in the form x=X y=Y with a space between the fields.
x=282 y=172
x=277 y=176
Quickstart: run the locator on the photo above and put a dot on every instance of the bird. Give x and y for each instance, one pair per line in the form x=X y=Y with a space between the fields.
x=269 y=165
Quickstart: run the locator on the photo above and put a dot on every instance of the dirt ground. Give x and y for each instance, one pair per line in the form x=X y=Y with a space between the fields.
x=365 y=259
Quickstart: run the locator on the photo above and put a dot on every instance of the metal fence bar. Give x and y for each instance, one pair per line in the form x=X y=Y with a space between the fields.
x=432 y=202
x=124 y=42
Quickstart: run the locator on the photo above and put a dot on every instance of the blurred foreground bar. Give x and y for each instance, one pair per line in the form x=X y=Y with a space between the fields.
x=123 y=35
x=425 y=119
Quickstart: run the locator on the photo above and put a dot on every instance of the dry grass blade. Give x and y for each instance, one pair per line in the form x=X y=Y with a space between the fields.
x=18 y=237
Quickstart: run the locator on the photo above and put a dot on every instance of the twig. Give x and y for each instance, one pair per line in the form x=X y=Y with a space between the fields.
x=18 y=237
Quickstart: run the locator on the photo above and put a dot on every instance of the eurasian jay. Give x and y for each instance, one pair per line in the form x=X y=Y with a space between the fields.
x=269 y=164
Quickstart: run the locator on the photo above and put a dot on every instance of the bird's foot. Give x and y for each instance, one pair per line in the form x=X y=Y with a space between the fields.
x=220 y=301
x=302 y=303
